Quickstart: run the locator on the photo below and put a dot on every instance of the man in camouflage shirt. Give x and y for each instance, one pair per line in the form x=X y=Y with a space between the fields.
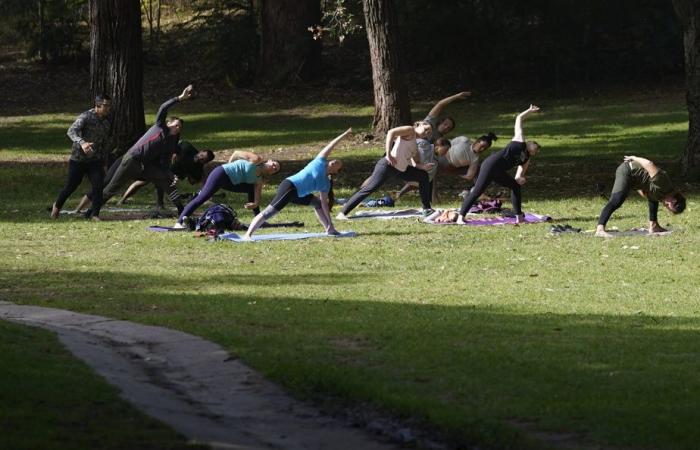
x=92 y=142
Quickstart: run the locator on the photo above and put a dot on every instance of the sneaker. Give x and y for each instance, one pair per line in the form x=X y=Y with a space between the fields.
x=427 y=212
x=180 y=225
x=341 y=216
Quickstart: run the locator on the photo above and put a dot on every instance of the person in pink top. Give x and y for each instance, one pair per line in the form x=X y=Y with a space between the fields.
x=402 y=161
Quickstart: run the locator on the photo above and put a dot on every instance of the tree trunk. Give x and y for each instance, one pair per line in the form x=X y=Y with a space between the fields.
x=688 y=12
x=288 y=52
x=42 y=31
x=116 y=65
x=391 y=105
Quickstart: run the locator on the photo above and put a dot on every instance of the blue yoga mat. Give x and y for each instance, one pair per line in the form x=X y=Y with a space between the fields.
x=162 y=228
x=283 y=236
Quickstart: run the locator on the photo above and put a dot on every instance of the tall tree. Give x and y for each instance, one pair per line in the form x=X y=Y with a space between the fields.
x=116 y=65
x=288 y=51
x=391 y=105
x=688 y=12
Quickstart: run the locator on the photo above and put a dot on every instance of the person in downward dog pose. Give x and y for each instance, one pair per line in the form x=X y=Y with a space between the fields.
x=243 y=173
x=299 y=189
x=651 y=182
x=401 y=161
x=495 y=168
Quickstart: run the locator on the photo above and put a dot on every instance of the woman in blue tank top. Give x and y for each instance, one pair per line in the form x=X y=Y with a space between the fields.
x=243 y=173
x=299 y=189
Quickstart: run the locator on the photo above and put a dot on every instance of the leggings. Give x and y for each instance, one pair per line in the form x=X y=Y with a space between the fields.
x=128 y=168
x=620 y=191
x=218 y=180
x=382 y=172
x=287 y=192
x=76 y=172
x=495 y=169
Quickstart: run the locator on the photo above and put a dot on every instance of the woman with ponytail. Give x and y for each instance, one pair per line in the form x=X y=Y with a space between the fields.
x=299 y=189
x=243 y=173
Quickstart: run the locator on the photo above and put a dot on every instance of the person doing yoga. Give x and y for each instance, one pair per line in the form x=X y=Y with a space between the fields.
x=651 y=182
x=495 y=168
x=243 y=173
x=442 y=125
x=299 y=189
x=401 y=161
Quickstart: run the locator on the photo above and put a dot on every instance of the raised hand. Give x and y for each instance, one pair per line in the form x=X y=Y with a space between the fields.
x=187 y=93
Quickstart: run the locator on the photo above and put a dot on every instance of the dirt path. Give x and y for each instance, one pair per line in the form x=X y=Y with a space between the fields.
x=193 y=385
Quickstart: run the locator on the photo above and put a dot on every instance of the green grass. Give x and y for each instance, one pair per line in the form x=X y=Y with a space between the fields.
x=42 y=406
x=473 y=332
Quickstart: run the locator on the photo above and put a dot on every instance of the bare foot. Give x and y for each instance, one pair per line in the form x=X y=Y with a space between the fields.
x=55 y=212
x=341 y=216
x=602 y=233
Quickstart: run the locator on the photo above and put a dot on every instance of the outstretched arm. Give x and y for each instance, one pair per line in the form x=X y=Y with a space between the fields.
x=163 y=110
x=647 y=165
x=518 y=135
x=248 y=156
x=328 y=148
x=330 y=229
x=256 y=197
x=471 y=172
x=520 y=173
x=439 y=106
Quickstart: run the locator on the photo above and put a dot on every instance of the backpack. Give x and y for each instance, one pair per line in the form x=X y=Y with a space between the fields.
x=217 y=217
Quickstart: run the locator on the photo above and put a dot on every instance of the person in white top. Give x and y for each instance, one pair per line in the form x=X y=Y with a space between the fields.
x=401 y=161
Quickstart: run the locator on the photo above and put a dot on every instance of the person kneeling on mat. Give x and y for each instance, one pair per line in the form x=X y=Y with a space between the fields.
x=651 y=182
x=299 y=189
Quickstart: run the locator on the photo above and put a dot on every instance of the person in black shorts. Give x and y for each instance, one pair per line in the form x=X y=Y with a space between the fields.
x=651 y=182
x=495 y=169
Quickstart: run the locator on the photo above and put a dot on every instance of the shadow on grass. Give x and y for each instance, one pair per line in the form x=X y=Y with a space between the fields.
x=470 y=371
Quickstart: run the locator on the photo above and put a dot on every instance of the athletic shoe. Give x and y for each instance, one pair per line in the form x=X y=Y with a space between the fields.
x=427 y=212
x=180 y=225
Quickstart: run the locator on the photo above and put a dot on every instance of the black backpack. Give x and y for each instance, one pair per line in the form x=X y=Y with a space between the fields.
x=217 y=217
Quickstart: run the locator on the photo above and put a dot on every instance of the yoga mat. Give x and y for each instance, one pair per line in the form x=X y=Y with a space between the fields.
x=160 y=228
x=120 y=210
x=480 y=220
x=632 y=232
x=283 y=236
x=386 y=215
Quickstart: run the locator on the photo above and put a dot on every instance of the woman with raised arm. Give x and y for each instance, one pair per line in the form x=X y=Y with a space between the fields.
x=442 y=125
x=651 y=182
x=242 y=173
x=299 y=189
x=495 y=168
x=401 y=161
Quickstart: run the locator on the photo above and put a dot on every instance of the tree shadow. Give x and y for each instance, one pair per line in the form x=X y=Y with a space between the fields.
x=626 y=380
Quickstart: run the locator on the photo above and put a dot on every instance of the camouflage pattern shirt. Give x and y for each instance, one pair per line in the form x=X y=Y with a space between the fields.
x=89 y=127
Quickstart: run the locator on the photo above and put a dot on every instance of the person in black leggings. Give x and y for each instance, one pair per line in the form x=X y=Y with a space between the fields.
x=92 y=141
x=496 y=167
x=651 y=182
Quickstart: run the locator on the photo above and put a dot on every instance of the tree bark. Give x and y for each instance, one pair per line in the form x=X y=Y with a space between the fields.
x=391 y=104
x=116 y=65
x=288 y=52
x=688 y=12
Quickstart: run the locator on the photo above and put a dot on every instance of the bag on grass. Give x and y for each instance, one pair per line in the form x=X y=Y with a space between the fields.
x=217 y=217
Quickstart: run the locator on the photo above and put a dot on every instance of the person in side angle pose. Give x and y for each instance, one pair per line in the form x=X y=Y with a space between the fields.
x=92 y=140
x=243 y=173
x=401 y=161
x=299 y=189
x=442 y=125
x=148 y=159
x=651 y=182
x=495 y=168
x=187 y=164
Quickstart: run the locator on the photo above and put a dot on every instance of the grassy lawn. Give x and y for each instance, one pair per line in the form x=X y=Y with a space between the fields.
x=43 y=408
x=485 y=334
